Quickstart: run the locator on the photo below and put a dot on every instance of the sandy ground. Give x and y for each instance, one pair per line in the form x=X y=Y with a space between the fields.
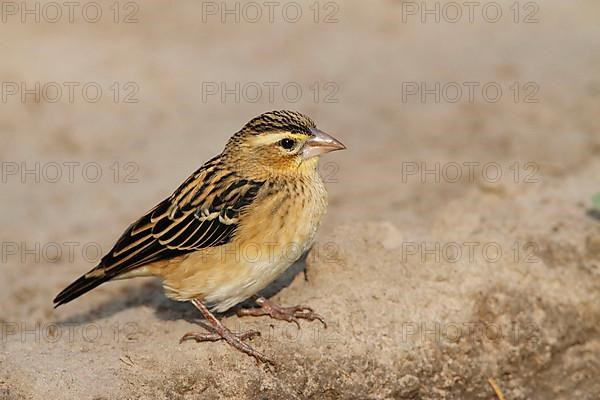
x=432 y=285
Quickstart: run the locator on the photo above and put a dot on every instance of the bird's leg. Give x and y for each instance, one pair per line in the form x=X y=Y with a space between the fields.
x=289 y=314
x=218 y=331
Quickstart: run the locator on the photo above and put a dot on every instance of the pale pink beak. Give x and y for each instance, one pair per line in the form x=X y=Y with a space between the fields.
x=320 y=143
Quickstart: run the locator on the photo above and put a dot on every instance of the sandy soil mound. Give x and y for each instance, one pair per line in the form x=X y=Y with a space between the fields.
x=432 y=285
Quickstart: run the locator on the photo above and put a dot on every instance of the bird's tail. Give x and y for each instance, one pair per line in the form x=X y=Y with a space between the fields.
x=84 y=284
x=81 y=286
x=95 y=278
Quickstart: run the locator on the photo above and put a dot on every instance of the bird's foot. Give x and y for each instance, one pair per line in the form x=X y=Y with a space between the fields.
x=218 y=331
x=235 y=340
x=215 y=337
x=289 y=314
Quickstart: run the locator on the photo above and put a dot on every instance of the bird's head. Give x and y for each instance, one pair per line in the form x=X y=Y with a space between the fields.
x=281 y=142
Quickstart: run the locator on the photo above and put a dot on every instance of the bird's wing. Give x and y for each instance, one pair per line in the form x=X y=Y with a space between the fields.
x=203 y=212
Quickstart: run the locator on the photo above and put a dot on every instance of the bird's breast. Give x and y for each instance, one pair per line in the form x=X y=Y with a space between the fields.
x=285 y=219
x=272 y=234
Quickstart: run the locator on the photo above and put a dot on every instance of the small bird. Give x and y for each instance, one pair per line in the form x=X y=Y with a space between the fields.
x=231 y=228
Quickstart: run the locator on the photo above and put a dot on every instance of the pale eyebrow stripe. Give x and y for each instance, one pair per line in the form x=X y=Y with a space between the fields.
x=269 y=139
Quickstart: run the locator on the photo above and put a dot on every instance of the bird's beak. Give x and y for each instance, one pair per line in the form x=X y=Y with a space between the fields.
x=320 y=143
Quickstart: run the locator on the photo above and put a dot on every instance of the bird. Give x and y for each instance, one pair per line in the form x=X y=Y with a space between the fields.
x=227 y=231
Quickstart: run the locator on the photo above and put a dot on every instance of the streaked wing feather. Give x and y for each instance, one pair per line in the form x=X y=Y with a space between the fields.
x=203 y=212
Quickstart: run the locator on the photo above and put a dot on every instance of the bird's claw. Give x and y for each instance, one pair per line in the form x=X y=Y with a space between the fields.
x=215 y=337
x=288 y=314
x=235 y=340
x=295 y=313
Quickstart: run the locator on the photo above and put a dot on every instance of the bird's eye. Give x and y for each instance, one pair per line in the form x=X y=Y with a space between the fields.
x=287 y=144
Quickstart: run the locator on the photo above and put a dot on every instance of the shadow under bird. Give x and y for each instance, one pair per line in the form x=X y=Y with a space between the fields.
x=261 y=194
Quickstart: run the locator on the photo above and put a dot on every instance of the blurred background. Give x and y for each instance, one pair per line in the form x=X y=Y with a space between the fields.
x=106 y=107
